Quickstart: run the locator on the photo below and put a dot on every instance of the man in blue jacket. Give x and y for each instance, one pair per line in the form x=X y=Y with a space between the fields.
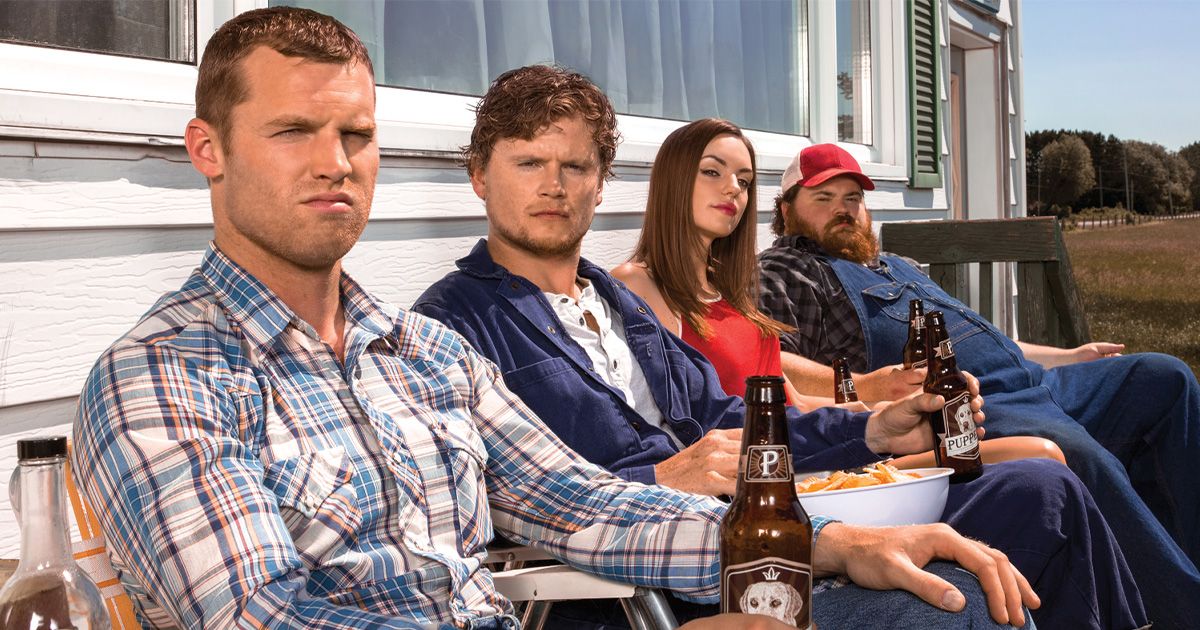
x=590 y=359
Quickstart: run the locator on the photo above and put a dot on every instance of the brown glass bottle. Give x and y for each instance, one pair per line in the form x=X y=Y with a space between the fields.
x=956 y=444
x=843 y=383
x=914 y=349
x=766 y=537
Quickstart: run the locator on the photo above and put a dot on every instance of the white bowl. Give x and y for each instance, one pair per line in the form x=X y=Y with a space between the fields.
x=908 y=502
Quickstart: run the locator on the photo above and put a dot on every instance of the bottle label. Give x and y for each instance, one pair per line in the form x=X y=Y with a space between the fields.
x=945 y=350
x=917 y=323
x=846 y=388
x=919 y=364
x=771 y=586
x=768 y=462
x=960 y=439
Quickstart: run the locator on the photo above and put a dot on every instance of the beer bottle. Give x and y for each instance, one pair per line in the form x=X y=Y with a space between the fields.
x=766 y=537
x=957 y=445
x=47 y=590
x=843 y=383
x=914 y=349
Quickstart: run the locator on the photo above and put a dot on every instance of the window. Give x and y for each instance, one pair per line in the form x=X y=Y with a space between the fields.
x=854 y=102
x=155 y=29
x=681 y=60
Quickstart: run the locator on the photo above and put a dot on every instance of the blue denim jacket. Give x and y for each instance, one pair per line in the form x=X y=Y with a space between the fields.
x=508 y=319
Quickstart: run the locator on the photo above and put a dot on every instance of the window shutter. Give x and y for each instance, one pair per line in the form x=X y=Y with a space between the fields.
x=924 y=125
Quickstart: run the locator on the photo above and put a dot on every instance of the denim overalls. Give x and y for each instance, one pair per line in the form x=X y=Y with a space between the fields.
x=1128 y=425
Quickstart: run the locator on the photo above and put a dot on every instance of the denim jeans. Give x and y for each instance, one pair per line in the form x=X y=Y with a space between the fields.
x=856 y=607
x=1129 y=426
x=849 y=607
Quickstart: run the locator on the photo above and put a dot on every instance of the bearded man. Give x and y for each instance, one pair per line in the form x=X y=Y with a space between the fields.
x=1127 y=424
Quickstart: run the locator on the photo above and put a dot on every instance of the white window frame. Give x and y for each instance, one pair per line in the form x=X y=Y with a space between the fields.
x=64 y=94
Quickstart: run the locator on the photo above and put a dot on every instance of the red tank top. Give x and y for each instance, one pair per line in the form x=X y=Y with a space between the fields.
x=737 y=348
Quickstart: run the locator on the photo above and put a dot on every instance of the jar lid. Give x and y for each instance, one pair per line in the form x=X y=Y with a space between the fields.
x=41 y=448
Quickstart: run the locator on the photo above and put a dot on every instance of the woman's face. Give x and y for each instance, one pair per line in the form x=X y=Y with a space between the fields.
x=722 y=187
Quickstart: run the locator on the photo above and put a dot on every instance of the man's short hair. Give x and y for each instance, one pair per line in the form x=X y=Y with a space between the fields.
x=778 y=223
x=289 y=31
x=522 y=102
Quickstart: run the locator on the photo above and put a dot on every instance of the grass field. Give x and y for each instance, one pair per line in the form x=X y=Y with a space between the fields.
x=1141 y=286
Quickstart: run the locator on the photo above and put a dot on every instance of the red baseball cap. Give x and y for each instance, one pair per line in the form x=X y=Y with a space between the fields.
x=819 y=163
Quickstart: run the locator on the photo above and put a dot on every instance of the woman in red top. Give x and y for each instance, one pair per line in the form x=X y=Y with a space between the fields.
x=695 y=266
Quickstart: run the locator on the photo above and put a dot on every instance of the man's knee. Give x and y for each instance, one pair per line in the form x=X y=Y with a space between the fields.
x=1166 y=369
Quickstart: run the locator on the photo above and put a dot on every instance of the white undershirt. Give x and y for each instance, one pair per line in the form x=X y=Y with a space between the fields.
x=608 y=350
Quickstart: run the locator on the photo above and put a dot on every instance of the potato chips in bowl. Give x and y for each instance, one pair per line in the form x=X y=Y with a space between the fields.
x=879 y=495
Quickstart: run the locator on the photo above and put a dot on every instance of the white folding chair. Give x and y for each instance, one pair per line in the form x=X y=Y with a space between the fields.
x=541 y=586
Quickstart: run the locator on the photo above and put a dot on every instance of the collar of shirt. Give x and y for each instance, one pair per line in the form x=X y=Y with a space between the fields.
x=262 y=316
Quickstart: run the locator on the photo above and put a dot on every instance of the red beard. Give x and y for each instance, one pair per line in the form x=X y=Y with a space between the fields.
x=856 y=243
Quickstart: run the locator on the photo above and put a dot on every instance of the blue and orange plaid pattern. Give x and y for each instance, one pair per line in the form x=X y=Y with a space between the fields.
x=249 y=478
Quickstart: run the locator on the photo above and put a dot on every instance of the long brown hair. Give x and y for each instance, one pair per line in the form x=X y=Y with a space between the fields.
x=670 y=245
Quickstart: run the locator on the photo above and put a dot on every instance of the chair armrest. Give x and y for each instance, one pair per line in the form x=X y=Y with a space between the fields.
x=558 y=582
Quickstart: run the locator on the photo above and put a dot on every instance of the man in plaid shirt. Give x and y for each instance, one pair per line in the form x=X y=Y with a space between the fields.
x=1128 y=425
x=275 y=447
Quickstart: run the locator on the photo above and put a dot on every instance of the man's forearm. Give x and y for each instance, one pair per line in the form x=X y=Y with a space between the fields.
x=806 y=375
x=1048 y=356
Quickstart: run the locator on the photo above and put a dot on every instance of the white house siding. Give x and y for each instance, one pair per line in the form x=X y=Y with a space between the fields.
x=88 y=243
x=92 y=233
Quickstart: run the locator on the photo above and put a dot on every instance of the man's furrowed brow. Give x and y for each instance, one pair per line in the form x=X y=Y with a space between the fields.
x=289 y=121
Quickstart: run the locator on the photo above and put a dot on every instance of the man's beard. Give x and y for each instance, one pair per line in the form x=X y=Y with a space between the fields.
x=856 y=244
x=552 y=248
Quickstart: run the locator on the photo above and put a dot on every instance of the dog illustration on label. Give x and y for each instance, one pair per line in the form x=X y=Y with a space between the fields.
x=774 y=599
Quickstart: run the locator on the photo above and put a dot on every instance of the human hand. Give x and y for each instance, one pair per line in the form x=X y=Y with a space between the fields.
x=736 y=621
x=884 y=558
x=900 y=428
x=890 y=382
x=709 y=466
x=1096 y=350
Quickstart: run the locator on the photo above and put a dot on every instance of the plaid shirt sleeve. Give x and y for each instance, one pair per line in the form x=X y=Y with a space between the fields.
x=796 y=288
x=160 y=443
x=543 y=494
x=789 y=295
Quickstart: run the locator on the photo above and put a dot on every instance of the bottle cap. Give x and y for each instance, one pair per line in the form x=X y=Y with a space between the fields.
x=765 y=390
x=41 y=448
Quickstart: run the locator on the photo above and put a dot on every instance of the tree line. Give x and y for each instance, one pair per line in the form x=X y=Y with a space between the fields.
x=1068 y=171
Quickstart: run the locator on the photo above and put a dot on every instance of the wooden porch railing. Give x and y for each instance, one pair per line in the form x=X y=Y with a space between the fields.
x=1049 y=310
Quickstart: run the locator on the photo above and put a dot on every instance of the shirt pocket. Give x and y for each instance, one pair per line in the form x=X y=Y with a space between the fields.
x=318 y=502
x=522 y=378
x=888 y=298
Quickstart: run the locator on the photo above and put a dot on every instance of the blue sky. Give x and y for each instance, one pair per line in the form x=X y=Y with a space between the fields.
x=1130 y=68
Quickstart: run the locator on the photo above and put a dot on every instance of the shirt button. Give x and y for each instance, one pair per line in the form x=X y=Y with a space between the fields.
x=550 y=329
x=637 y=426
x=515 y=285
x=642 y=310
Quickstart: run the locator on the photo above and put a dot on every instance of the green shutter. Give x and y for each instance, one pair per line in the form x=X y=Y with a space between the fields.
x=924 y=107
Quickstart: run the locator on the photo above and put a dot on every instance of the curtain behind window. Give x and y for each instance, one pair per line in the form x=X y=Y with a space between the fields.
x=677 y=59
x=157 y=29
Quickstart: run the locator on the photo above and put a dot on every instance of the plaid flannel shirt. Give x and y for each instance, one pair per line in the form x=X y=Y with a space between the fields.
x=250 y=479
x=800 y=289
